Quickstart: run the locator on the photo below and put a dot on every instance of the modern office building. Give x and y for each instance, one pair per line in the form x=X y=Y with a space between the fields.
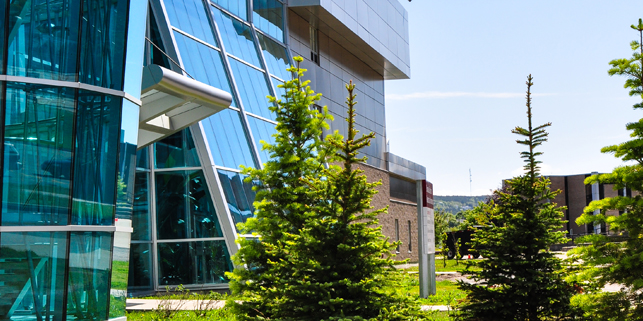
x=125 y=124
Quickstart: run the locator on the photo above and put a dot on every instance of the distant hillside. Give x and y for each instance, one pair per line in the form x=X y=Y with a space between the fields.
x=455 y=203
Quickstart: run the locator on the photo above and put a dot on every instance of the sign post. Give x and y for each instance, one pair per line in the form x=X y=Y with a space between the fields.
x=426 y=238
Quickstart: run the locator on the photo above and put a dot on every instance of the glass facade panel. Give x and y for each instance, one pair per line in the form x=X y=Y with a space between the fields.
x=97 y=139
x=102 y=55
x=262 y=131
x=32 y=275
x=281 y=92
x=193 y=263
x=127 y=163
x=191 y=17
x=202 y=62
x=43 y=39
x=253 y=89
x=177 y=150
x=37 y=155
x=237 y=37
x=141 y=213
x=239 y=195
x=237 y=7
x=120 y=269
x=154 y=54
x=140 y=272
x=276 y=57
x=3 y=6
x=89 y=270
x=142 y=161
x=268 y=16
x=184 y=207
x=227 y=139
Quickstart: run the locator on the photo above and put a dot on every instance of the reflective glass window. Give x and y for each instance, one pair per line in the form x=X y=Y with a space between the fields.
x=236 y=37
x=262 y=131
x=177 y=150
x=102 y=54
x=193 y=263
x=276 y=57
x=88 y=292
x=191 y=17
x=227 y=139
x=95 y=166
x=202 y=63
x=280 y=91
x=3 y=5
x=140 y=272
x=37 y=155
x=253 y=89
x=154 y=54
x=33 y=262
x=268 y=16
x=236 y=7
x=141 y=213
x=126 y=162
x=120 y=270
x=142 y=159
x=184 y=207
x=239 y=195
x=43 y=39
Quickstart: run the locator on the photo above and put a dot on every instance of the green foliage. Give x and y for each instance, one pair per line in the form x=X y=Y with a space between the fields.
x=454 y=204
x=617 y=259
x=443 y=222
x=520 y=278
x=318 y=254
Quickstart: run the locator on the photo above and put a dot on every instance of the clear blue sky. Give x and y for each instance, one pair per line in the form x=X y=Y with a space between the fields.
x=469 y=63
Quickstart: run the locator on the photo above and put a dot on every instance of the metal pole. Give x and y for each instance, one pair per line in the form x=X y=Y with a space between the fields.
x=426 y=238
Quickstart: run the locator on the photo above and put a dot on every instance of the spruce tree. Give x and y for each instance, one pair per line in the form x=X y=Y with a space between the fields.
x=618 y=259
x=519 y=279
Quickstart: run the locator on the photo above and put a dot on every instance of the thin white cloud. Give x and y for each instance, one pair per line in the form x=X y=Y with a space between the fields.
x=457 y=94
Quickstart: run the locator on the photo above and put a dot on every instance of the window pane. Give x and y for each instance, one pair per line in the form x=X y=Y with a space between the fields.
x=253 y=89
x=141 y=213
x=268 y=16
x=127 y=162
x=237 y=7
x=276 y=57
x=47 y=46
x=262 y=131
x=27 y=257
x=177 y=150
x=142 y=158
x=102 y=56
x=193 y=263
x=89 y=262
x=140 y=272
x=239 y=195
x=236 y=37
x=191 y=17
x=38 y=155
x=227 y=139
x=95 y=168
x=120 y=270
x=3 y=5
x=184 y=207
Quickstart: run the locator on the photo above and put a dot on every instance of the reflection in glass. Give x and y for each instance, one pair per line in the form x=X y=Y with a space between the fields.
x=262 y=131
x=253 y=89
x=33 y=275
x=227 y=139
x=3 y=5
x=140 y=272
x=95 y=168
x=141 y=213
x=89 y=262
x=183 y=206
x=193 y=263
x=177 y=150
x=154 y=53
x=38 y=155
x=126 y=163
x=191 y=17
x=237 y=7
x=102 y=55
x=142 y=160
x=281 y=92
x=43 y=39
x=276 y=57
x=120 y=269
x=268 y=17
x=237 y=37
x=239 y=195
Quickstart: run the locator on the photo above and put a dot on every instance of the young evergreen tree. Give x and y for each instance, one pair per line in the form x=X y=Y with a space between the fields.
x=319 y=253
x=520 y=278
x=618 y=260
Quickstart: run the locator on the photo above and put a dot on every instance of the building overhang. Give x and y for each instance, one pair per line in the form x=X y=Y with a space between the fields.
x=384 y=47
x=172 y=102
x=404 y=168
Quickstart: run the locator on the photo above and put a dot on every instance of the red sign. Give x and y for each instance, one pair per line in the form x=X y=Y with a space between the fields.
x=427 y=194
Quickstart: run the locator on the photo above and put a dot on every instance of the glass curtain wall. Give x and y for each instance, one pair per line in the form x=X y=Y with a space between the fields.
x=237 y=46
x=67 y=171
